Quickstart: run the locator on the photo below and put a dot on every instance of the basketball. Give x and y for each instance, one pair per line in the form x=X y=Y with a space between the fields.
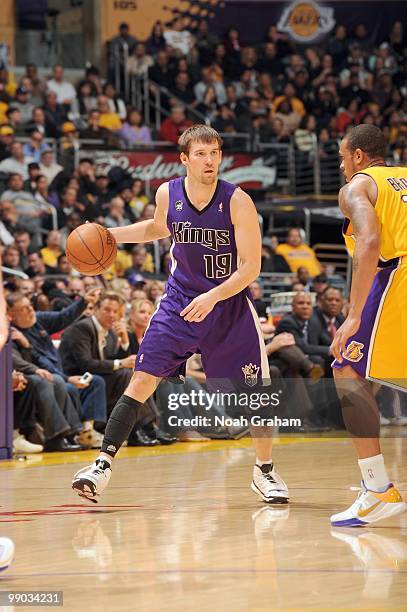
x=91 y=249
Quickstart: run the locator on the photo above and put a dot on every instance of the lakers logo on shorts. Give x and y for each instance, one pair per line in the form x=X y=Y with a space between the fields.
x=353 y=351
x=250 y=374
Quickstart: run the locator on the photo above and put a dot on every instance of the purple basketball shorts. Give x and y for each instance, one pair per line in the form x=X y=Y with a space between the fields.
x=229 y=340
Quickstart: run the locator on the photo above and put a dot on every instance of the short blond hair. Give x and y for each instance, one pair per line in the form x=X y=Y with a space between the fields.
x=198 y=133
x=136 y=304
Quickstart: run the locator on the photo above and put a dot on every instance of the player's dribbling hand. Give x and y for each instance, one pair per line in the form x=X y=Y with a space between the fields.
x=346 y=330
x=199 y=308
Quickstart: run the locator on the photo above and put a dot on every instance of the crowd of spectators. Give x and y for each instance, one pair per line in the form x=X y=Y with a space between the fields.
x=272 y=90
x=277 y=90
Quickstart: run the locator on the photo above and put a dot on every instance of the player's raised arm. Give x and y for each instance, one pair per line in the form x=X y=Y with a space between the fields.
x=152 y=229
x=357 y=204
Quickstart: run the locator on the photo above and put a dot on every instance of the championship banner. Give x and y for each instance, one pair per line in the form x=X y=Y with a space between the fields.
x=250 y=171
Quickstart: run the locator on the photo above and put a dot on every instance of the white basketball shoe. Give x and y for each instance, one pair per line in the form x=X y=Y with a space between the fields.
x=370 y=507
x=269 y=485
x=92 y=480
x=6 y=553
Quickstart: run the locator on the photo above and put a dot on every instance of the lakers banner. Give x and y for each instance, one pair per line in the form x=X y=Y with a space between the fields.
x=249 y=171
x=306 y=21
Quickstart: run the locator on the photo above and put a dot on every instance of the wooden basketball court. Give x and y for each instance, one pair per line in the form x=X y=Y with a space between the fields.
x=180 y=529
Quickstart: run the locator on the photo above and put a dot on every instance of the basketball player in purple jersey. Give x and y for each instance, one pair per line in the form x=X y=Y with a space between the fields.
x=207 y=308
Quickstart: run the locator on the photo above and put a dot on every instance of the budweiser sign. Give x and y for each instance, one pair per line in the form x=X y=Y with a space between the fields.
x=247 y=170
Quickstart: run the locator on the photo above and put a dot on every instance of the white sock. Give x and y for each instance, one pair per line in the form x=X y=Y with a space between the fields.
x=374 y=473
x=261 y=462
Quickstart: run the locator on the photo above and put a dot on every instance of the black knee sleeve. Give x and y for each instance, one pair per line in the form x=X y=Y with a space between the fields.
x=121 y=422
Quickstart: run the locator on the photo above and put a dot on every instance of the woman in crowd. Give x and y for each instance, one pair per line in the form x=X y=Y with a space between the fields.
x=85 y=100
x=116 y=104
x=133 y=130
x=139 y=317
x=156 y=41
x=42 y=194
x=138 y=200
x=155 y=290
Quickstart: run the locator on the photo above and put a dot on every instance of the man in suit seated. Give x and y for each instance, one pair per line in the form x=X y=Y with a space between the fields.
x=100 y=345
x=92 y=345
x=328 y=314
x=307 y=331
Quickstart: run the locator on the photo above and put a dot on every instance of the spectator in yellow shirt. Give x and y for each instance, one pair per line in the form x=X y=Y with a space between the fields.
x=297 y=253
x=289 y=96
x=52 y=251
x=108 y=119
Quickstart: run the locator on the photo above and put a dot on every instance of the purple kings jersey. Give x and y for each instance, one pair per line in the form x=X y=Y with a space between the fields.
x=203 y=253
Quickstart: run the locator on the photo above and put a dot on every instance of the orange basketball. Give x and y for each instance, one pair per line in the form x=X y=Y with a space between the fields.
x=91 y=249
